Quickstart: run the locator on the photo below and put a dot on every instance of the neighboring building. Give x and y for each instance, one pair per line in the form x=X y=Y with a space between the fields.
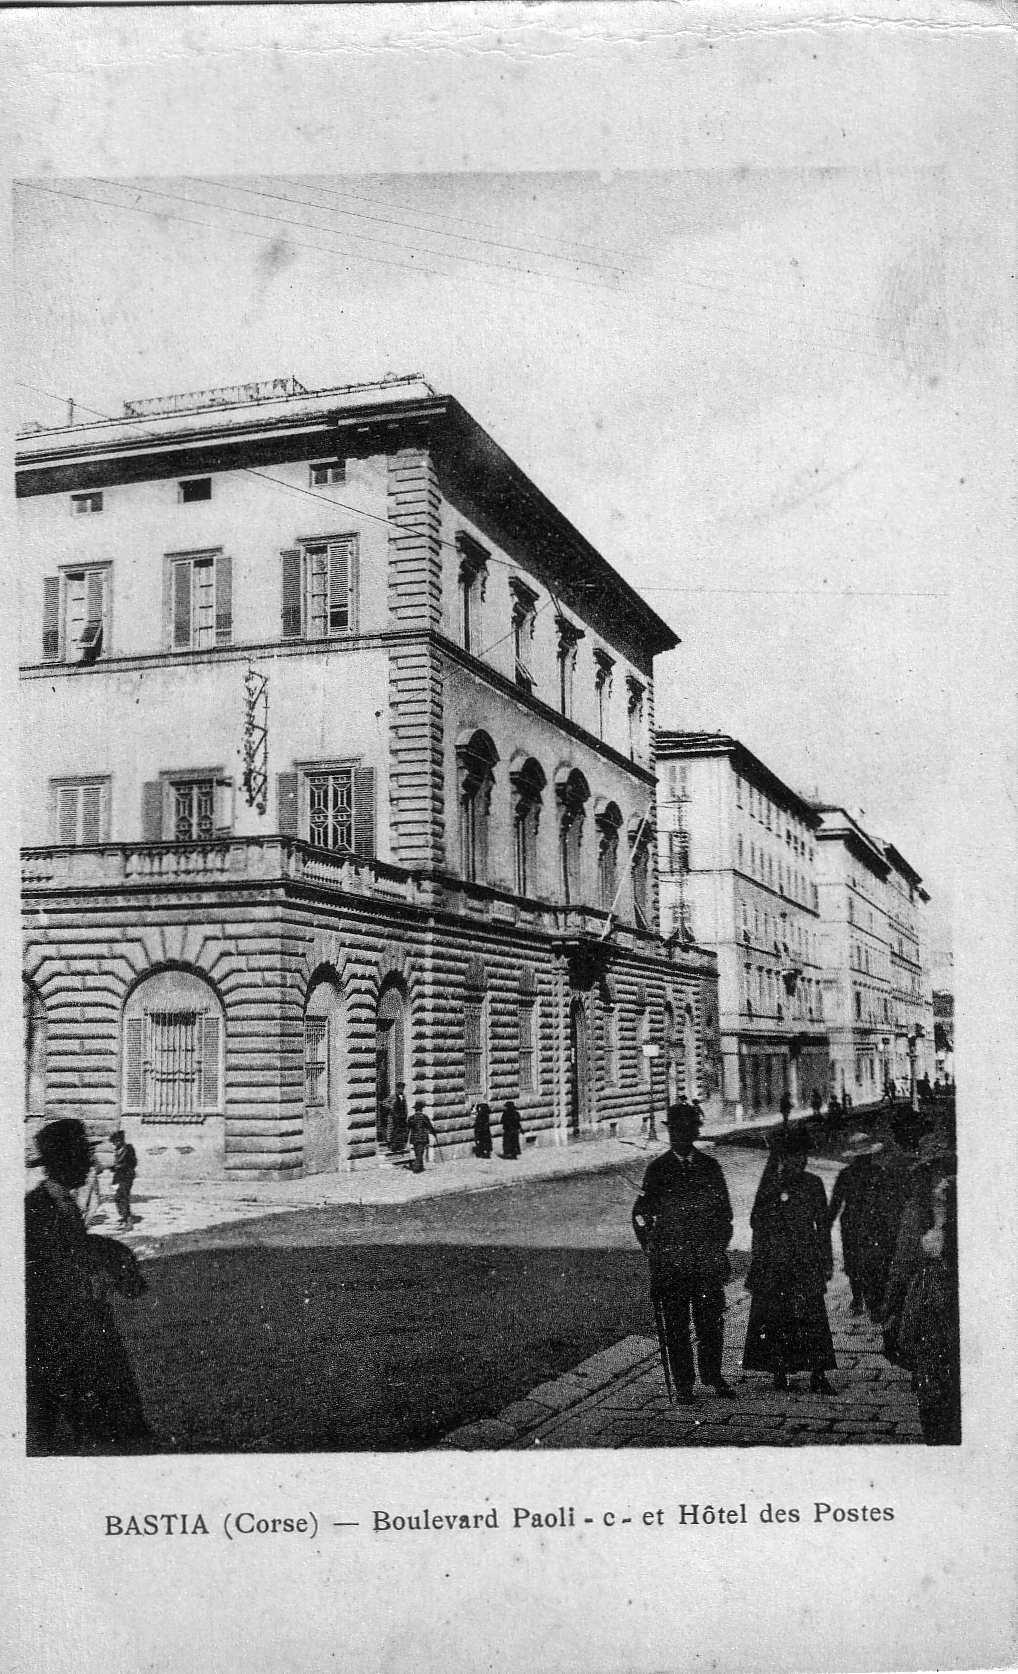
x=943 y=1032
x=737 y=858
x=878 y=1008
x=338 y=772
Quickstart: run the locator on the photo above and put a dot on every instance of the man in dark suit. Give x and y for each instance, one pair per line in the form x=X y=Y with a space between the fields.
x=683 y=1220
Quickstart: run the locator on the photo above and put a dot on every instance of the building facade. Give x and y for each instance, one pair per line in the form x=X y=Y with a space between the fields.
x=877 y=997
x=340 y=775
x=737 y=860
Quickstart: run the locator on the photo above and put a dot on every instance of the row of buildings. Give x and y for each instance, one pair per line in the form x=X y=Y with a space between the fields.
x=341 y=771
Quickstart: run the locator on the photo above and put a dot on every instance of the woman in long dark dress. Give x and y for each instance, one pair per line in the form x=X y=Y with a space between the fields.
x=791 y=1265
x=512 y=1123
x=482 y=1129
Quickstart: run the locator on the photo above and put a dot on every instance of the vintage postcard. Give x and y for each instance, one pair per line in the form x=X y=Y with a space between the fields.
x=510 y=838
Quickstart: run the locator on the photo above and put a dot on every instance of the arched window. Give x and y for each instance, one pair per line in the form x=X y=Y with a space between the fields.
x=172 y=1053
x=35 y=1050
x=573 y=795
x=477 y=759
x=528 y=783
x=609 y=824
x=321 y=1043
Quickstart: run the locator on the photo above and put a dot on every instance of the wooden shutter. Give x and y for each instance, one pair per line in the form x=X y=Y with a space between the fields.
x=340 y=586
x=91 y=814
x=286 y=804
x=51 y=618
x=209 y=1027
x=67 y=803
x=224 y=598
x=364 y=811
x=152 y=812
x=223 y=791
x=134 y=1069
x=353 y=585
x=182 y=604
x=292 y=593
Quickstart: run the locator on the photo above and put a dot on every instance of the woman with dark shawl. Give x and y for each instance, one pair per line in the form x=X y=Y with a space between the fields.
x=789 y=1271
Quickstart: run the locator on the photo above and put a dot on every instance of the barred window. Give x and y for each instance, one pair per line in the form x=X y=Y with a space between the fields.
x=330 y=809
x=316 y=1060
x=194 y=810
x=172 y=1049
x=473 y=1044
x=526 y=1042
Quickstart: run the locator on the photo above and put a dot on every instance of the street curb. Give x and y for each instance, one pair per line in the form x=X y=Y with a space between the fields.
x=618 y=1364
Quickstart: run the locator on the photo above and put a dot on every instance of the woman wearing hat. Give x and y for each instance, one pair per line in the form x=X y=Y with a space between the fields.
x=789 y=1271
x=850 y=1189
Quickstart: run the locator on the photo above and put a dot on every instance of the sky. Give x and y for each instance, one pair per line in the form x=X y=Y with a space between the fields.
x=760 y=375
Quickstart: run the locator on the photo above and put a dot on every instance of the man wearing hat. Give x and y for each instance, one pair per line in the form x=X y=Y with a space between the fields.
x=850 y=1189
x=683 y=1220
x=125 y=1167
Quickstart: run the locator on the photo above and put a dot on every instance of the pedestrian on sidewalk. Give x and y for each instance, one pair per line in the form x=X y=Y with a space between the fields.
x=421 y=1126
x=122 y=1173
x=683 y=1221
x=512 y=1127
x=847 y=1199
x=816 y=1103
x=89 y=1199
x=918 y=1217
x=790 y=1267
x=889 y=1190
x=482 y=1129
x=396 y=1119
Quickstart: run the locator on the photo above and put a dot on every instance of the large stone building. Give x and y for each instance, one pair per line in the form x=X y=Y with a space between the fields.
x=879 y=1005
x=737 y=857
x=338 y=772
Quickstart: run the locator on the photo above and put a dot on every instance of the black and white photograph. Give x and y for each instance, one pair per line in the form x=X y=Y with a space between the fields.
x=498 y=670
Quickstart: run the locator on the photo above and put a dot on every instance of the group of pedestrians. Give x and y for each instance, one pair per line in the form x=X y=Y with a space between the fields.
x=512 y=1128
x=899 y=1241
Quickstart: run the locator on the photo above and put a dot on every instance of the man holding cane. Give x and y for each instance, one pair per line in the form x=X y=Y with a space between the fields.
x=683 y=1220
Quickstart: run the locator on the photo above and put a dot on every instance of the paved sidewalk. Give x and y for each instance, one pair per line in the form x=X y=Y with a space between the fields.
x=617 y=1399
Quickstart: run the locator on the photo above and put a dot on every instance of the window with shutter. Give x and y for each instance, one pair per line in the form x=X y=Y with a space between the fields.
x=80 y=811
x=320 y=586
x=172 y=1049
x=200 y=600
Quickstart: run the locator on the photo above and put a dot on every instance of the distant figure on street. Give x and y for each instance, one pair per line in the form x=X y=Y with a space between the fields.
x=785 y=1108
x=81 y=1393
x=396 y=1119
x=888 y=1191
x=935 y=1165
x=789 y=1271
x=816 y=1103
x=683 y=1220
x=482 y=1129
x=929 y=1339
x=421 y=1126
x=89 y=1198
x=833 y=1107
x=122 y=1173
x=512 y=1127
x=846 y=1200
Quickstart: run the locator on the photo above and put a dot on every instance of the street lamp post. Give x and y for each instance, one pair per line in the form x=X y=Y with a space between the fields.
x=916 y=1034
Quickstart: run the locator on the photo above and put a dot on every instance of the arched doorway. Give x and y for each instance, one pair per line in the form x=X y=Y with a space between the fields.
x=579 y=1067
x=323 y=1074
x=390 y=1050
x=689 y=1054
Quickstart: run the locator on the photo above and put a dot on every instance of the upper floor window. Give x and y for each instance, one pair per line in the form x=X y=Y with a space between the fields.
x=198 y=600
x=80 y=811
x=640 y=838
x=76 y=609
x=635 y=694
x=528 y=783
x=604 y=668
x=524 y=616
x=609 y=824
x=194 y=488
x=82 y=505
x=322 y=472
x=330 y=805
x=573 y=795
x=569 y=636
x=477 y=759
x=320 y=588
x=187 y=807
x=473 y=582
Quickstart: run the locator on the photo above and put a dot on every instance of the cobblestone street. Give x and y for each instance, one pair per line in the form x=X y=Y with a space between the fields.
x=617 y=1399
